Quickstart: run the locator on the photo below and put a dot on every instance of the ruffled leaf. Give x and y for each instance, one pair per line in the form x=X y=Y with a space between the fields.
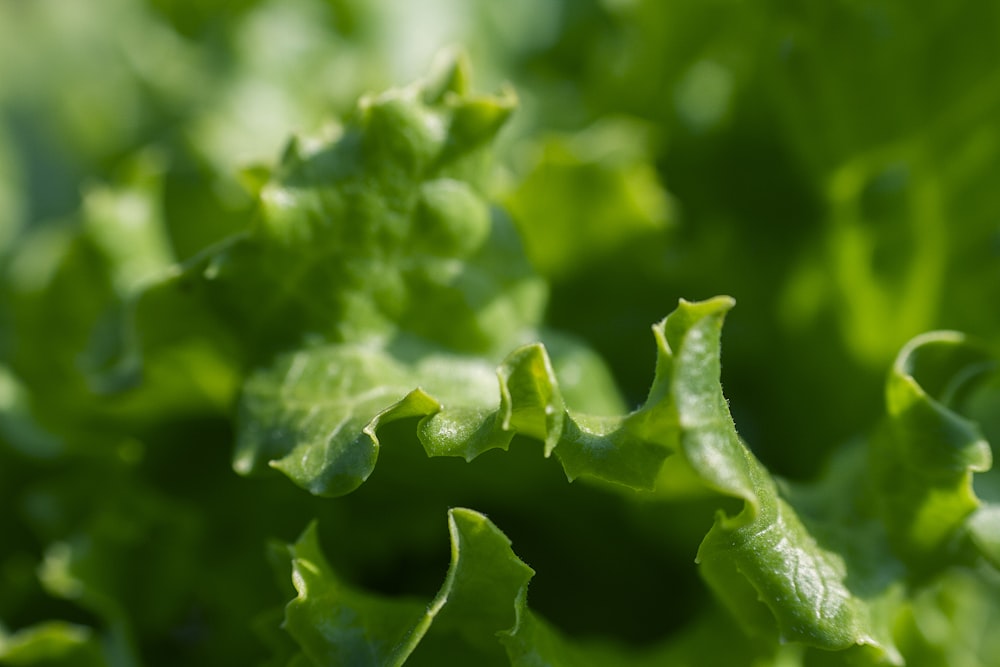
x=379 y=284
x=377 y=225
x=335 y=624
x=762 y=554
x=924 y=459
x=315 y=414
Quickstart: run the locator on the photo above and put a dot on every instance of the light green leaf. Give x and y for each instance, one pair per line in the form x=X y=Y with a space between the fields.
x=762 y=554
x=52 y=644
x=984 y=528
x=951 y=622
x=315 y=413
x=380 y=223
x=57 y=296
x=923 y=460
x=590 y=195
x=416 y=289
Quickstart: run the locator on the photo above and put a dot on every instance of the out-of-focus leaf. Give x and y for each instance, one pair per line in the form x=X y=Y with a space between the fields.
x=588 y=196
x=12 y=204
x=52 y=644
x=907 y=232
x=126 y=224
x=60 y=291
x=951 y=621
x=984 y=527
x=110 y=559
x=18 y=427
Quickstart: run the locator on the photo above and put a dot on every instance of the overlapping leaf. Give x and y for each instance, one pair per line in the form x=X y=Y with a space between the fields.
x=378 y=284
x=404 y=329
x=826 y=578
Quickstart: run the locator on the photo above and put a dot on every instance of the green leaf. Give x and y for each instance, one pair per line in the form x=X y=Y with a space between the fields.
x=590 y=195
x=17 y=425
x=377 y=283
x=479 y=616
x=383 y=222
x=984 y=528
x=415 y=289
x=951 y=620
x=59 y=294
x=52 y=644
x=924 y=459
x=764 y=553
x=335 y=624
x=314 y=415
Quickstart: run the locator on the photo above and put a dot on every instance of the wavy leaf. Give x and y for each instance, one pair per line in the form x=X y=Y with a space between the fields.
x=924 y=459
x=380 y=224
x=335 y=624
x=314 y=415
x=379 y=284
x=763 y=554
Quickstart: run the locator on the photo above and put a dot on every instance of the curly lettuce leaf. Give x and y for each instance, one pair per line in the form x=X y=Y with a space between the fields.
x=314 y=412
x=383 y=222
x=924 y=459
x=787 y=565
x=378 y=284
x=762 y=552
x=898 y=513
x=480 y=615
x=337 y=625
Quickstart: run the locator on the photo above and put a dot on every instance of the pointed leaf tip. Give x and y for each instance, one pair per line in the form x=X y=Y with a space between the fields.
x=530 y=401
x=450 y=73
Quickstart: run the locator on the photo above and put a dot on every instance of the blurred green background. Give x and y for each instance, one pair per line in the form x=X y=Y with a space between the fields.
x=833 y=166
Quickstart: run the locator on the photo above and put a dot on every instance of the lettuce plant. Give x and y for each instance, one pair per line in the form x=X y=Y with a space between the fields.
x=371 y=348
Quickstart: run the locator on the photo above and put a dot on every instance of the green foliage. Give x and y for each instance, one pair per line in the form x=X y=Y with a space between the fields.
x=442 y=301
